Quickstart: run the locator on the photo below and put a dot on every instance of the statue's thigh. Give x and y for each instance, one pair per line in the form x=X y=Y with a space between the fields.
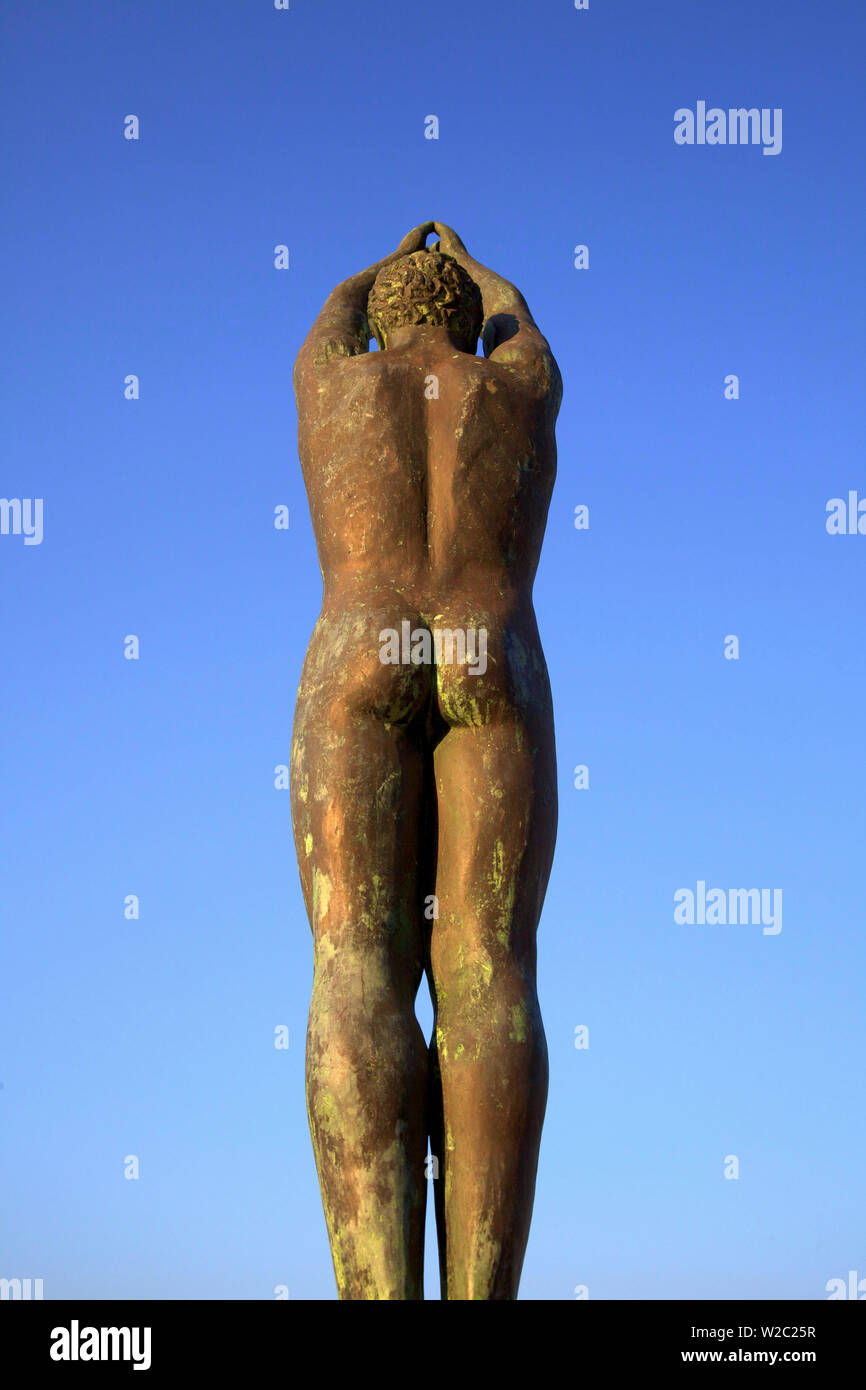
x=357 y=809
x=496 y=788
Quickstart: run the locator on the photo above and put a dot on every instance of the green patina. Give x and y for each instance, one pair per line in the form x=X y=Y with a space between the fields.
x=506 y=915
x=481 y=977
x=498 y=866
x=519 y=1023
x=385 y=791
x=327 y=1112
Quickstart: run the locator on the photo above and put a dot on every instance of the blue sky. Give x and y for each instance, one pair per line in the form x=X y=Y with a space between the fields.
x=707 y=518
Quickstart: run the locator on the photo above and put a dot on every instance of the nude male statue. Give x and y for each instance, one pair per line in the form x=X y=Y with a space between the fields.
x=424 y=796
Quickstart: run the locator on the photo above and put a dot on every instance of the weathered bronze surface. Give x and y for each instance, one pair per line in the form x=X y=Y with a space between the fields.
x=424 y=792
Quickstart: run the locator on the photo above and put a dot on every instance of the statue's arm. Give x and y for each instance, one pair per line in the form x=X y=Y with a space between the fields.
x=511 y=335
x=341 y=329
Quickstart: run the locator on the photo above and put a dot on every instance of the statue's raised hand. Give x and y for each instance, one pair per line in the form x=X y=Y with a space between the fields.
x=415 y=240
x=449 y=242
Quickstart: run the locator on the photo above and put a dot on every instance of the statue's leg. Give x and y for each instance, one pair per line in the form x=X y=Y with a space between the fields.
x=496 y=786
x=357 y=789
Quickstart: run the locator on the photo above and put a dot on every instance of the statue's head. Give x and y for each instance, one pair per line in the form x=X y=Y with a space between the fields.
x=425 y=287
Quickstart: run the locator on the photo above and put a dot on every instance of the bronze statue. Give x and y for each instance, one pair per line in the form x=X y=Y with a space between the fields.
x=424 y=786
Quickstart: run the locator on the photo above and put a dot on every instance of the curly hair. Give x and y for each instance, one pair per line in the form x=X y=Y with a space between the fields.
x=425 y=287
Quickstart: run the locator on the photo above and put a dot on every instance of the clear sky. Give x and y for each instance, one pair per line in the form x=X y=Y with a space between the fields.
x=155 y=1037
